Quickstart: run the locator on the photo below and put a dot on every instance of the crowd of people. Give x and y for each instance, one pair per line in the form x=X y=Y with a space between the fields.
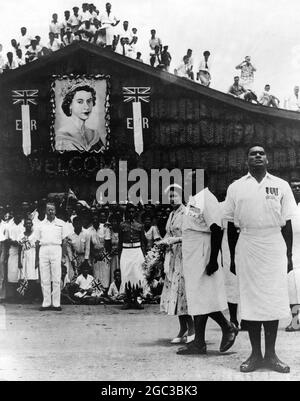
x=103 y=28
x=241 y=254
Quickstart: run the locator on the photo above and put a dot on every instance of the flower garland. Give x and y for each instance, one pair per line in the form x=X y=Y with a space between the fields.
x=153 y=265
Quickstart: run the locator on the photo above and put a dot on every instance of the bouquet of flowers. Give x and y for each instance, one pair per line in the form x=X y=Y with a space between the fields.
x=153 y=266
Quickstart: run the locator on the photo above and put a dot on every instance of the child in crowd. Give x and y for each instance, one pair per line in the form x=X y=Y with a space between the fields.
x=86 y=292
x=115 y=289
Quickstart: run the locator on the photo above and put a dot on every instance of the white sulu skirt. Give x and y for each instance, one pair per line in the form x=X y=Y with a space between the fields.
x=261 y=265
x=131 y=266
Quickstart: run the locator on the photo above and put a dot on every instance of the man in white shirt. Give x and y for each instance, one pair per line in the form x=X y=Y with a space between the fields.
x=55 y=27
x=247 y=73
x=75 y=20
x=154 y=41
x=108 y=22
x=293 y=101
x=85 y=14
x=51 y=235
x=182 y=69
x=87 y=32
x=34 y=51
x=11 y=64
x=20 y=59
x=66 y=23
x=24 y=41
x=68 y=37
x=260 y=206
x=267 y=99
x=53 y=44
x=204 y=70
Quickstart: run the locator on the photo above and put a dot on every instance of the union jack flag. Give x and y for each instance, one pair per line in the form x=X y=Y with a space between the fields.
x=136 y=94
x=97 y=286
x=23 y=285
x=25 y=96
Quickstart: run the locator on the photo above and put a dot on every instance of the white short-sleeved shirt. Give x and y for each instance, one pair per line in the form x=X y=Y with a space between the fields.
x=14 y=231
x=55 y=28
x=75 y=21
x=267 y=204
x=54 y=46
x=203 y=211
x=85 y=283
x=51 y=233
x=108 y=19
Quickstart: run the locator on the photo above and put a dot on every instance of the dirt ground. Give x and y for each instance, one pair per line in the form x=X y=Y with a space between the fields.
x=98 y=343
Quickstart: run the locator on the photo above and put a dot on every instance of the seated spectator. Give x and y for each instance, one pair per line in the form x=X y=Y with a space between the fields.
x=183 y=69
x=203 y=74
x=86 y=293
x=115 y=289
x=267 y=99
x=155 y=58
x=66 y=23
x=138 y=57
x=11 y=64
x=54 y=44
x=14 y=46
x=55 y=27
x=24 y=40
x=33 y=51
x=75 y=20
x=20 y=59
x=166 y=58
x=154 y=41
x=68 y=37
x=38 y=41
x=293 y=101
x=87 y=31
x=236 y=89
x=133 y=32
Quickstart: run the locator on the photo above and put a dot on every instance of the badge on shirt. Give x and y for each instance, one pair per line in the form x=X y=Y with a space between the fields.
x=272 y=193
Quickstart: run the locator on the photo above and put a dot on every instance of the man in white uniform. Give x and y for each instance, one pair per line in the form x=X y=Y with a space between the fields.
x=204 y=281
x=260 y=205
x=51 y=235
x=108 y=22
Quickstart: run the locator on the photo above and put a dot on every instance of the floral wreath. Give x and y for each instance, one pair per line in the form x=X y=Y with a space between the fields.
x=74 y=80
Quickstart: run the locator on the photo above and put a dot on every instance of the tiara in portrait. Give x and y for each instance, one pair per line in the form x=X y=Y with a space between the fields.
x=72 y=84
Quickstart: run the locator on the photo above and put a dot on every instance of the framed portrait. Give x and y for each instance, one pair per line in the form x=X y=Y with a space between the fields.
x=80 y=113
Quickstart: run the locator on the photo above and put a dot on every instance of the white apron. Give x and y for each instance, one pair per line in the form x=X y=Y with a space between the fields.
x=205 y=294
x=231 y=283
x=13 y=272
x=261 y=265
x=131 y=266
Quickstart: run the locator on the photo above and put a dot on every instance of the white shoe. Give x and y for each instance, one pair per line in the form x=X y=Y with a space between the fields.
x=189 y=339
x=179 y=340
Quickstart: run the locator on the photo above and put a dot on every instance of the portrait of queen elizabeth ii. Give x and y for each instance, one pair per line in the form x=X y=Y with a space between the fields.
x=80 y=115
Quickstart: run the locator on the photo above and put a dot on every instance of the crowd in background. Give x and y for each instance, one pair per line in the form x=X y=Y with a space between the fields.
x=92 y=245
x=103 y=28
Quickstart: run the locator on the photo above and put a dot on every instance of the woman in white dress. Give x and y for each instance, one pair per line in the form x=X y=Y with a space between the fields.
x=173 y=298
x=294 y=275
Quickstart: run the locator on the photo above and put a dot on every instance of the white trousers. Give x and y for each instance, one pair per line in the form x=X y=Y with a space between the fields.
x=50 y=270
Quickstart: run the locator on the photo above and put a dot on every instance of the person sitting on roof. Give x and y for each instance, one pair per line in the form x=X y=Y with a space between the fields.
x=75 y=20
x=20 y=59
x=54 y=44
x=166 y=58
x=11 y=64
x=68 y=37
x=66 y=23
x=87 y=32
x=33 y=51
x=203 y=74
x=236 y=89
x=155 y=58
x=138 y=57
x=267 y=99
x=182 y=69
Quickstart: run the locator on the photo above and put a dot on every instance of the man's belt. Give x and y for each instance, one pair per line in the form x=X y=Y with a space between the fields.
x=131 y=245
